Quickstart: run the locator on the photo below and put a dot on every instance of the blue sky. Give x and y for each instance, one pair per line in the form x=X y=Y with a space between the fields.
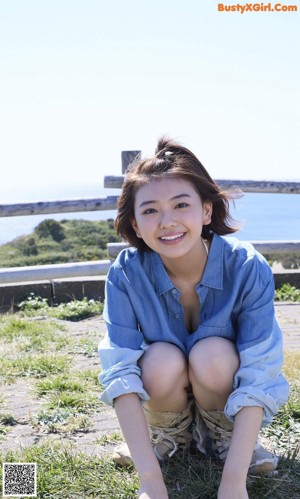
x=82 y=80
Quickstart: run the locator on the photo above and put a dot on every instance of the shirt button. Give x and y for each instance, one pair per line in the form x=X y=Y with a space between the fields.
x=174 y=291
x=177 y=316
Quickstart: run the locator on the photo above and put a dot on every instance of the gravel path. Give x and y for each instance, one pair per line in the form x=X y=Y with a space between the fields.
x=20 y=401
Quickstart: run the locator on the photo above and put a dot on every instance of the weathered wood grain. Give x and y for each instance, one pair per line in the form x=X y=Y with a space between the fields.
x=49 y=207
x=264 y=186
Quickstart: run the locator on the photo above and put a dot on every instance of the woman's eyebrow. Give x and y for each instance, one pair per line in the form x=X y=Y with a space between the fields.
x=178 y=196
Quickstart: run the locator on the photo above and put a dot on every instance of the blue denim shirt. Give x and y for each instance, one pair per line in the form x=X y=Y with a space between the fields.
x=236 y=294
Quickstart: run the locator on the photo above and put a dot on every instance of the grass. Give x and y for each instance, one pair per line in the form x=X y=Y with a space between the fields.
x=69 y=400
x=287 y=292
x=291 y=366
x=23 y=335
x=63 y=474
x=75 y=310
x=36 y=366
x=62 y=420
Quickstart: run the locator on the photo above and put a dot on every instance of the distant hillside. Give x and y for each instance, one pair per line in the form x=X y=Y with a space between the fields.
x=60 y=242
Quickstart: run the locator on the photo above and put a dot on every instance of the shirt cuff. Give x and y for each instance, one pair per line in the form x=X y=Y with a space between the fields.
x=254 y=397
x=121 y=386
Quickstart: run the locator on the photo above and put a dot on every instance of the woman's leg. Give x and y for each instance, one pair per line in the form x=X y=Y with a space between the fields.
x=213 y=363
x=165 y=378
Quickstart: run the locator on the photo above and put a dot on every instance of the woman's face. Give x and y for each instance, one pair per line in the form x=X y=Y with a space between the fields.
x=169 y=216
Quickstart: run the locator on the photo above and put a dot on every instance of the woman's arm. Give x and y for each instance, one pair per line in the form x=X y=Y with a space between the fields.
x=246 y=427
x=135 y=430
x=259 y=380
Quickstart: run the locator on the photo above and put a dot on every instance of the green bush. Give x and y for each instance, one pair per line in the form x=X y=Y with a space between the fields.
x=60 y=242
x=287 y=292
x=50 y=228
x=75 y=310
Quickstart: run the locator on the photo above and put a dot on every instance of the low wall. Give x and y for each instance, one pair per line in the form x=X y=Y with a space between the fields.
x=55 y=291
x=65 y=290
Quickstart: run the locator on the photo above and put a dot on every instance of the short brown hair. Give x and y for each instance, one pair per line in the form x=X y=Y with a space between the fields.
x=172 y=161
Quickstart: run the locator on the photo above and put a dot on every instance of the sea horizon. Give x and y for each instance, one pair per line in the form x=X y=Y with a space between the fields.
x=262 y=217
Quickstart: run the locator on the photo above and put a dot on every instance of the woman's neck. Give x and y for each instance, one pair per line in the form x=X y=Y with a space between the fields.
x=189 y=267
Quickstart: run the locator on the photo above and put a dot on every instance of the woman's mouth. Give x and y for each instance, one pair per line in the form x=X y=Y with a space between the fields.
x=172 y=238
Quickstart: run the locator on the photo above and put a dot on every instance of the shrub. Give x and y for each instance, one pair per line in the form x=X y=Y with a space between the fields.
x=287 y=292
x=50 y=228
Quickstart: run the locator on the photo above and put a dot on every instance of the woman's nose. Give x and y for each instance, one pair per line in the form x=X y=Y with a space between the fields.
x=167 y=220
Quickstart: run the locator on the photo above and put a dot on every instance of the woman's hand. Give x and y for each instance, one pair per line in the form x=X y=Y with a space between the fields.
x=153 y=489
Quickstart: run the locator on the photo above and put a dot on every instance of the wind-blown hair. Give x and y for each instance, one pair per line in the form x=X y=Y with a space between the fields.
x=172 y=161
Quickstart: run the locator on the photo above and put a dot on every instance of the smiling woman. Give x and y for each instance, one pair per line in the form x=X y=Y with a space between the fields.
x=196 y=340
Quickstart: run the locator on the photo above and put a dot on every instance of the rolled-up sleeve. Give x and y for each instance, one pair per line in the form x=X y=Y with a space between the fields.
x=120 y=373
x=122 y=345
x=259 y=380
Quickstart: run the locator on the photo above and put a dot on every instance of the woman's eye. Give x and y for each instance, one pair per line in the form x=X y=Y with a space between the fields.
x=181 y=205
x=148 y=211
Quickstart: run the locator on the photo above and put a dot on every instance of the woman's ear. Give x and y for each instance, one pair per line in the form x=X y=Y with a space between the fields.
x=135 y=228
x=207 y=213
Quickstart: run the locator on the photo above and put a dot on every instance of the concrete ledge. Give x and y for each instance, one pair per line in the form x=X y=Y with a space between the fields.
x=54 y=271
x=291 y=277
x=13 y=294
x=65 y=290
x=56 y=291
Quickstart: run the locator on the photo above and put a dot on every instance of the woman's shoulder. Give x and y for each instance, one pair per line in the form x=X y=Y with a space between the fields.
x=243 y=250
x=244 y=257
x=130 y=260
x=126 y=256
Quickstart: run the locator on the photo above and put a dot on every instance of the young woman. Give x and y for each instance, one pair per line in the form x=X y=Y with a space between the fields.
x=193 y=349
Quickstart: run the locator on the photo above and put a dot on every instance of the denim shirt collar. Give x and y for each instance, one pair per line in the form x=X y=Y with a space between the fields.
x=213 y=272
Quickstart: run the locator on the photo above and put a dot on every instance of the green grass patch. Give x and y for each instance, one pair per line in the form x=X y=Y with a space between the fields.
x=284 y=433
x=91 y=376
x=287 y=292
x=77 y=384
x=62 y=474
x=62 y=420
x=65 y=474
x=87 y=347
x=110 y=438
x=84 y=403
x=31 y=335
x=68 y=401
x=37 y=366
x=75 y=310
x=6 y=422
x=59 y=383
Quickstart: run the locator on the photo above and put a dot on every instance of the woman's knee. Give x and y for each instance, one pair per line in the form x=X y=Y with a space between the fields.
x=163 y=369
x=213 y=361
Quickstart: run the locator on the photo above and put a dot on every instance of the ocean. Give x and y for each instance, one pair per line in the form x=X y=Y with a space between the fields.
x=263 y=217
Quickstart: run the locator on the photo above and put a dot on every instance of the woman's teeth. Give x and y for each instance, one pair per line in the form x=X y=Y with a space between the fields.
x=171 y=238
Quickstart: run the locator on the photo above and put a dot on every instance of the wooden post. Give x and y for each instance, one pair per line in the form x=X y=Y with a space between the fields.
x=128 y=157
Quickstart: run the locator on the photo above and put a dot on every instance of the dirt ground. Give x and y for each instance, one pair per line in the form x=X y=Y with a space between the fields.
x=20 y=401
